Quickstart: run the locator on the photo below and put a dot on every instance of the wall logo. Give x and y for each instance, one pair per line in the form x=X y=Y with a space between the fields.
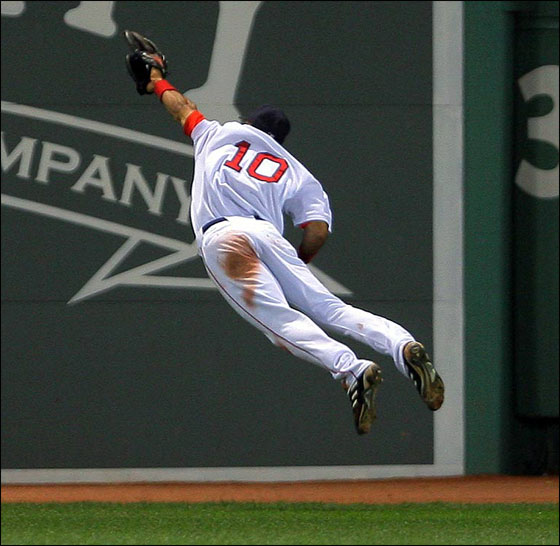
x=114 y=182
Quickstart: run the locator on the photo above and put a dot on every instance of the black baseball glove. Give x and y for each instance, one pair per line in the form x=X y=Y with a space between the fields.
x=144 y=55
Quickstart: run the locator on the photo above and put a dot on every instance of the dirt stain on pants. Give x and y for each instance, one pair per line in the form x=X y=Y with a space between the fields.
x=240 y=262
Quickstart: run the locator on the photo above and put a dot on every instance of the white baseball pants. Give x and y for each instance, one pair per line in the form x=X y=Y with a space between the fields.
x=260 y=275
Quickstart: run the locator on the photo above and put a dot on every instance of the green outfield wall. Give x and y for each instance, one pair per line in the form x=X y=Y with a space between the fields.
x=433 y=127
x=511 y=236
x=117 y=350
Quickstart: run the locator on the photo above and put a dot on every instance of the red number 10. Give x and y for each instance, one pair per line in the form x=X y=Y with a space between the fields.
x=243 y=146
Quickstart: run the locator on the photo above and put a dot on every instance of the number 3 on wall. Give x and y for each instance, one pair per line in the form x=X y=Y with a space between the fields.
x=265 y=167
x=540 y=182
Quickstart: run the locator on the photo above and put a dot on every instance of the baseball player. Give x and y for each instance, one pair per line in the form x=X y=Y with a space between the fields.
x=244 y=183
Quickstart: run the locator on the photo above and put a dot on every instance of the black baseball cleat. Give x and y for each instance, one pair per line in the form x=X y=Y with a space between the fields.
x=362 y=397
x=423 y=374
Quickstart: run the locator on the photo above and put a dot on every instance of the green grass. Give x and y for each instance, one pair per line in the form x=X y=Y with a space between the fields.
x=250 y=523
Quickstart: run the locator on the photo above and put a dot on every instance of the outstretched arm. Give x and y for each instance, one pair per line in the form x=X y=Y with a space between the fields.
x=179 y=106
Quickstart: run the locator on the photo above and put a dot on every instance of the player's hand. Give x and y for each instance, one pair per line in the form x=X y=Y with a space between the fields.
x=315 y=234
x=155 y=75
x=144 y=57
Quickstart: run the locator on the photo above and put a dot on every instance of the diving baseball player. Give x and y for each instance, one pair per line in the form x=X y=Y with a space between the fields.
x=244 y=183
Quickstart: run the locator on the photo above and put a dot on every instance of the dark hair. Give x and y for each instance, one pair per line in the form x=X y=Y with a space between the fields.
x=271 y=120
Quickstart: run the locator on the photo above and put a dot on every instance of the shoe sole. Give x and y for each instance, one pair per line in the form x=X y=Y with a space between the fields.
x=368 y=411
x=433 y=388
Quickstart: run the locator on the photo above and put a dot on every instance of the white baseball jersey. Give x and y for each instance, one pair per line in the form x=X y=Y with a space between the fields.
x=241 y=171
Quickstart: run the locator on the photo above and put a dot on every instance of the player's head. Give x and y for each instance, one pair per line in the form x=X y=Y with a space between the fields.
x=271 y=120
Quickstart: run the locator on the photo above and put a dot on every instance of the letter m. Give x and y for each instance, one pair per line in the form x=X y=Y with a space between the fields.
x=22 y=153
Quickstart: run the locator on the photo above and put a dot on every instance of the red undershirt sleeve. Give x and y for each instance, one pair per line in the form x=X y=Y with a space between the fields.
x=193 y=119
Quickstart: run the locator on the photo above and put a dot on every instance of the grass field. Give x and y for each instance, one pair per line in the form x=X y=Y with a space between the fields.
x=250 y=523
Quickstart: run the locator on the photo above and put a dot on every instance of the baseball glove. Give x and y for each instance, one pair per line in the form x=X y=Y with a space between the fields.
x=144 y=55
